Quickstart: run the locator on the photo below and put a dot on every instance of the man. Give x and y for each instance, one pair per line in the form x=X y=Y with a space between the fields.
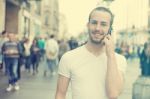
x=94 y=69
x=63 y=48
x=145 y=60
x=52 y=50
x=3 y=38
x=41 y=45
x=11 y=51
x=73 y=43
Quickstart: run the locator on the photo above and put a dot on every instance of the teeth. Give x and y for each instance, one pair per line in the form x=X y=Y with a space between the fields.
x=97 y=34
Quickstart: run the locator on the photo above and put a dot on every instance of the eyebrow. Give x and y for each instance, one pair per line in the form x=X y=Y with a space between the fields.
x=92 y=20
x=102 y=22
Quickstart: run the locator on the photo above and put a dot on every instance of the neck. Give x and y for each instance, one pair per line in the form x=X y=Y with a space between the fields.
x=96 y=49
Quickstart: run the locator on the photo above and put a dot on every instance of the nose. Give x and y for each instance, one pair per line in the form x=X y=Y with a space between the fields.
x=98 y=27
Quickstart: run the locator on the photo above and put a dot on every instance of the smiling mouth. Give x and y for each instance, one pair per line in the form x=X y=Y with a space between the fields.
x=98 y=33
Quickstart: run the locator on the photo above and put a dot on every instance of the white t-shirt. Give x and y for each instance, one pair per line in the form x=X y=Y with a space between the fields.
x=52 y=49
x=87 y=72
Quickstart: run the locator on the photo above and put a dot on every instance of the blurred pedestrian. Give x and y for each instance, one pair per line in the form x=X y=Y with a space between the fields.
x=35 y=56
x=41 y=45
x=145 y=60
x=63 y=47
x=27 y=54
x=21 y=61
x=11 y=51
x=73 y=43
x=52 y=50
x=3 y=39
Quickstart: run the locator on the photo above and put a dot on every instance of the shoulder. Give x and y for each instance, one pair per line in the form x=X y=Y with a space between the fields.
x=69 y=59
x=75 y=52
x=51 y=41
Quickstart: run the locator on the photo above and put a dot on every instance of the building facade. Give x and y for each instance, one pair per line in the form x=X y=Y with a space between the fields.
x=149 y=16
x=50 y=17
x=22 y=17
x=29 y=18
x=63 y=27
x=2 y=16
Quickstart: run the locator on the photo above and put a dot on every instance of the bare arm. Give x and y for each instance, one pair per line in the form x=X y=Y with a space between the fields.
x=114 y=77
x=62 y=86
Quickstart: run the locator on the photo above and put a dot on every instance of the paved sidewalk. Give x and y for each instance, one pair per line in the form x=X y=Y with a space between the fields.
x=132 y=73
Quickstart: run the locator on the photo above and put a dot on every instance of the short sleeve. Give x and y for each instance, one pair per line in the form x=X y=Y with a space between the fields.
x=64 y=68
x=122 y=63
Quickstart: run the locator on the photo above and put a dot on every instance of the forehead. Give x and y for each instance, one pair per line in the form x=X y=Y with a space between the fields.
x=101 y=16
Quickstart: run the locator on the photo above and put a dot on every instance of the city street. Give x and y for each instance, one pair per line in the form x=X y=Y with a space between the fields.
x=132 y=73
x=53 y=27
x=40 y=87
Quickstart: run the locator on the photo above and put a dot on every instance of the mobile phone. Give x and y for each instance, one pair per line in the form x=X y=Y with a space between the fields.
x=109 y=32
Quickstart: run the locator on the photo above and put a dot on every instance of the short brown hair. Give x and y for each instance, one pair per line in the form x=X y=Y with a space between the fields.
x=105 y=10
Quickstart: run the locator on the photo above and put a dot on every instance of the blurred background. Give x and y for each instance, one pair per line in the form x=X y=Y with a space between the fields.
x=66 y=20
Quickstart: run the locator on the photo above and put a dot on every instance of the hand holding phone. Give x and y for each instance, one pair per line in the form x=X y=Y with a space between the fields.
x=109 y=33
x=109 y=44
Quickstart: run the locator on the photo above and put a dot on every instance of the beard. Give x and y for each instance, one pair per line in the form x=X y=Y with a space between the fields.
x=96 y=39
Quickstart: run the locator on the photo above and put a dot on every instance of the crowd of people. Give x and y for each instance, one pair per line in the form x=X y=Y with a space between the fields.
x=16 y=54
x=142 y=52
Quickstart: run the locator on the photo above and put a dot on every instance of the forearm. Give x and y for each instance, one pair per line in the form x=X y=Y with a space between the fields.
x=62 y=87
x=59 y=96
x=114 y=81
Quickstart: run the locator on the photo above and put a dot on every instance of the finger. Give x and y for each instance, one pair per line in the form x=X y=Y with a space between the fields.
x=103 y=38
x=108 y=37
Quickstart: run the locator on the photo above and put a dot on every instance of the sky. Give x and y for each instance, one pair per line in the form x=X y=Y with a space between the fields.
x=76 y=12
x=127 y=13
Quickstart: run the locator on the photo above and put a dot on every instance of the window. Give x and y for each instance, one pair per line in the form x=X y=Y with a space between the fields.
x=149 y=21
x=46 y=20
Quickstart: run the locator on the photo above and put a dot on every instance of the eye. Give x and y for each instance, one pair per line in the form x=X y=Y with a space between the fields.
x=104 y=24
x=94 y=22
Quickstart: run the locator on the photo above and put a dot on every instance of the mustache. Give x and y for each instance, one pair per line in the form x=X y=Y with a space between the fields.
x=101 y=33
